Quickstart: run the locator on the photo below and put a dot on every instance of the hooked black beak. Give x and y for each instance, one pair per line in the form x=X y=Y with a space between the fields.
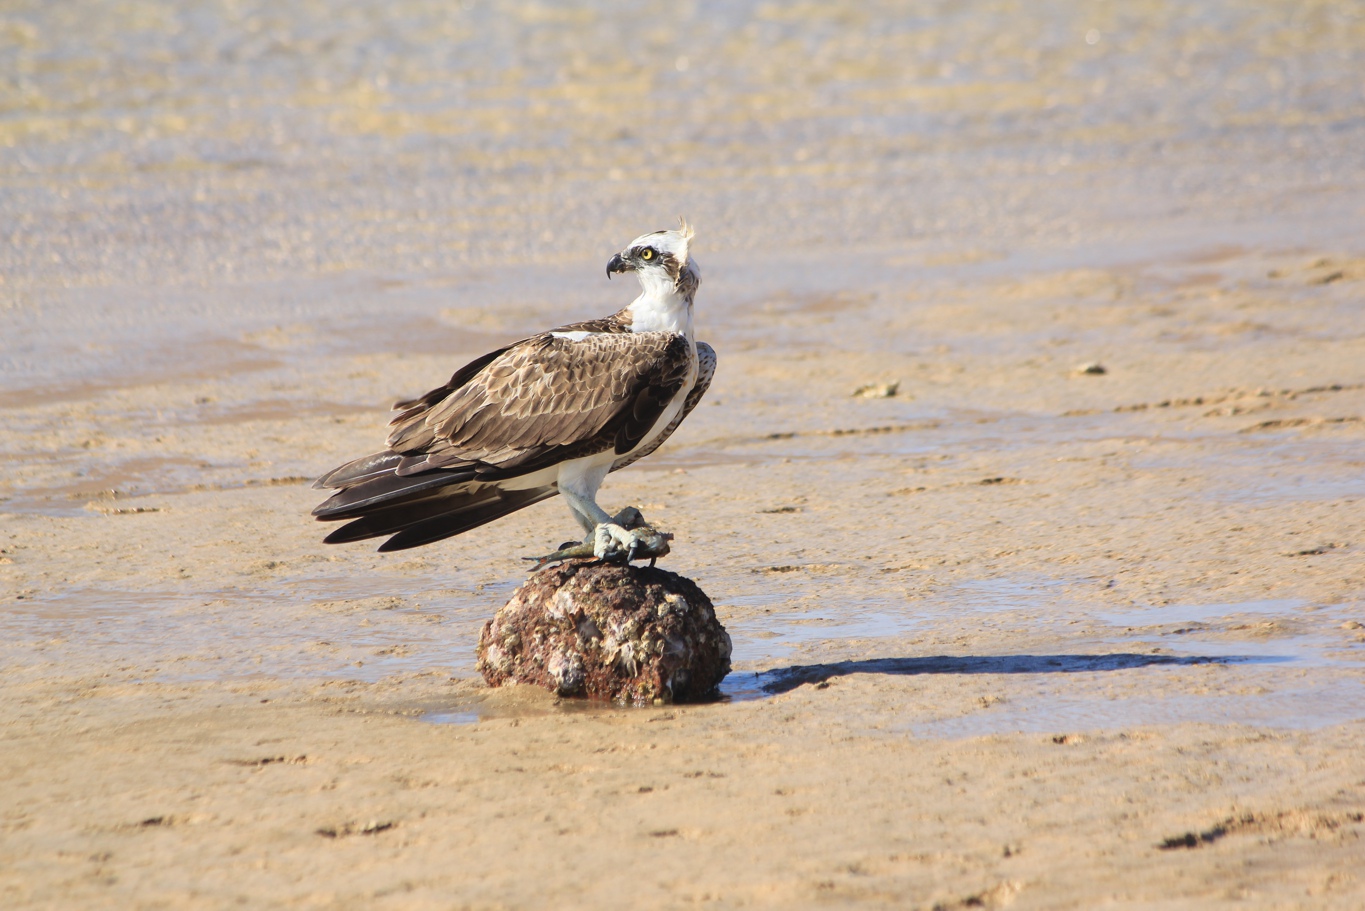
x=618 y=264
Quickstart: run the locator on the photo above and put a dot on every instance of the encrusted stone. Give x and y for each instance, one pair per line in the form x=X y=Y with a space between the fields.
x=628 y=634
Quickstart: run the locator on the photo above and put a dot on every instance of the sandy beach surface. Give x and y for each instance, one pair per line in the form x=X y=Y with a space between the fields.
x=1029 y=488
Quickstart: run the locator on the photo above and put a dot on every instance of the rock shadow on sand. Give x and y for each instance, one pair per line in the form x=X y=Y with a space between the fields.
x=783 y=680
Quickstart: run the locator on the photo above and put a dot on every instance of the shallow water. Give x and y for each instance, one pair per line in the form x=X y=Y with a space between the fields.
x=153 y=154
x=318 y=629
x=1174 y=635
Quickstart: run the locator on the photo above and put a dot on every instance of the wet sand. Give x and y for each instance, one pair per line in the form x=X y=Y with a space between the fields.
x=1019 y=635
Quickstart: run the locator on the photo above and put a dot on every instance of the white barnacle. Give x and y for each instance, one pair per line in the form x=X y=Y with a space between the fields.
x=497 y=659
x=673 y=603
x=566 y=670
x=625 y=658
x=562 y=605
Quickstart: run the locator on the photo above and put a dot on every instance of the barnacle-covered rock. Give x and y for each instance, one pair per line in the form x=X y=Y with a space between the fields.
x=628 y=634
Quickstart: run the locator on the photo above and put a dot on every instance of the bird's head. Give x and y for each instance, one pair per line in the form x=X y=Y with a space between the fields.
x=660 y=260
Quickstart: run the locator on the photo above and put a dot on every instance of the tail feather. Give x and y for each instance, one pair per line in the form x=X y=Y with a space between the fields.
x=393 y=518
x=433 y=518
x=358 y=471
x=443 y=527
x=368 y=495
x=415 y=509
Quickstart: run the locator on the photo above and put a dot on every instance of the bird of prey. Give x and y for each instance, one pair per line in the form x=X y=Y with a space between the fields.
x=550 y=414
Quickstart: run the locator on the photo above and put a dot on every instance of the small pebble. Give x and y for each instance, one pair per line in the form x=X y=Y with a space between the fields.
x=877 y=390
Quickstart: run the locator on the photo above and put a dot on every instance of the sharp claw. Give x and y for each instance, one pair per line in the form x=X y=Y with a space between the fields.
x=613 y=543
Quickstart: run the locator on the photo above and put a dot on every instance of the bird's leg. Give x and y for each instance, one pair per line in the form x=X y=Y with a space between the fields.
x=585 y=510
x=582 y=515
x=620 y=538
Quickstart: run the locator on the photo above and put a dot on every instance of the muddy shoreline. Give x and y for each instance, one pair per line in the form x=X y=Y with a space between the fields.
x=1018 y=635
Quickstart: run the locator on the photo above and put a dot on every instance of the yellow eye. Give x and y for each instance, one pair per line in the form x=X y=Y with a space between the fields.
x=648 y=254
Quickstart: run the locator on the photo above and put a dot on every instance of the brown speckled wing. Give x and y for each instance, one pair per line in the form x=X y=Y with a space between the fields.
x=706 y=369
x=543 y=400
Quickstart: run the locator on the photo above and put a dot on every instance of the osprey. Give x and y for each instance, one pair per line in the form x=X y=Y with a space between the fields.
x=550 y=414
